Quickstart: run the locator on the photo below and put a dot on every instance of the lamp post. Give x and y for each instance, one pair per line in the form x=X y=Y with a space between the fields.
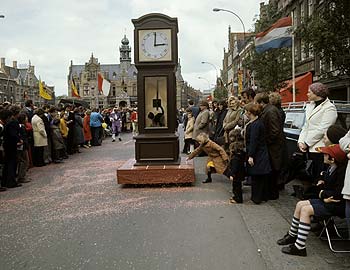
x=206 y=80
x=216 y=70
x=230 y=11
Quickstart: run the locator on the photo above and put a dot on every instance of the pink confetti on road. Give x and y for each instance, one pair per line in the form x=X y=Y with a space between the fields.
x=85 y=186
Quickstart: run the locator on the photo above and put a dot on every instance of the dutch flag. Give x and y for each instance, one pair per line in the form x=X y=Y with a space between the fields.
x=277 y=36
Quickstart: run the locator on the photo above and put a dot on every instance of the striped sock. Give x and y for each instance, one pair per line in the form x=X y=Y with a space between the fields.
x=303 y=232
x=294 y=228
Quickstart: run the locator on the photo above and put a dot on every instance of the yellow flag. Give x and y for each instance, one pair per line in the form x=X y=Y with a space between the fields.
x=43 y=91
x=75 y=92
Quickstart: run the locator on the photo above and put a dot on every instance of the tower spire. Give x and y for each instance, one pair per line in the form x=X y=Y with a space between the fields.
x=125 y=50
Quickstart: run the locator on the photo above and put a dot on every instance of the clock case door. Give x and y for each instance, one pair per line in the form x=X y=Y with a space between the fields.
x=147 y=101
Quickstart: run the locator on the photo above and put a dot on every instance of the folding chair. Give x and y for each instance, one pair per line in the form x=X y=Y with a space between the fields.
x=330 y=221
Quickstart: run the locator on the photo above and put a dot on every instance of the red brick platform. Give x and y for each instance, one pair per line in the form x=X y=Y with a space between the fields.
x=156 y=174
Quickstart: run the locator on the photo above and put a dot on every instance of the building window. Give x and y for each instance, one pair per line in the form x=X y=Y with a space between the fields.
x=302 y=12
x=303 y=50
x=294 y=17
x=86 y=90
x=297 y=49
x=310 y=8
x=323 y=66
x=134 y=90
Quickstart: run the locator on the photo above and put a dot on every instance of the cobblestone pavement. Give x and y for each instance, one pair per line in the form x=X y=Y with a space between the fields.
x=74 y=216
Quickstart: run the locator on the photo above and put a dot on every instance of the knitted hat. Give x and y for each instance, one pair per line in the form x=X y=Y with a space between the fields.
x=319 y=89
x=333 y=151
x=335 y=133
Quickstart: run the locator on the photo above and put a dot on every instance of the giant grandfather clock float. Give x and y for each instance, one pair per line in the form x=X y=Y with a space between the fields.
x=157 y=157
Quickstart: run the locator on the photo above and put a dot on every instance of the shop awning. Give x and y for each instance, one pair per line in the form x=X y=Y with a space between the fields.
x=301 y=87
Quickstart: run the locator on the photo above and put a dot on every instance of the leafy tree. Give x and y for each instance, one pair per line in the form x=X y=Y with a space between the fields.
x=220 y=92
x=274 y=66
x=328 y=33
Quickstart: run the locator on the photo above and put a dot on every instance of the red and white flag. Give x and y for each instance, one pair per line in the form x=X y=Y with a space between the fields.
x=103 y=85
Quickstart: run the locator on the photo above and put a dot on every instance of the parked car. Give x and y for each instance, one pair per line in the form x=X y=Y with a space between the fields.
x=295 y=118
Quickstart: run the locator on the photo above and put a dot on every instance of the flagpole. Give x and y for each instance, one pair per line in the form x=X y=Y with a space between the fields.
x=293 y=57
x=293 y=68
x=98 y=103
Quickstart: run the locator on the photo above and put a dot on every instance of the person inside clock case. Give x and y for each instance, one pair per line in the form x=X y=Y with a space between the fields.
x=158 y=119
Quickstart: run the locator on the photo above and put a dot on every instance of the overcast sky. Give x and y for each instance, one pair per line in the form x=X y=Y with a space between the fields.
x=50 y=33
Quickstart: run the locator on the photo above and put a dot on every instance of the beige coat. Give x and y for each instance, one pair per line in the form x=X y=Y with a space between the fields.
x=39 y=133
x=317 y=121
x=201 y=125
x=189 y=128
x=344 y=144
x=216 y=154
x=230 y=121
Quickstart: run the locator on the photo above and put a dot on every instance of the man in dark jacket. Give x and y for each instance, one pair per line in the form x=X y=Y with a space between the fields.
x=271 y=118
x=12 y=140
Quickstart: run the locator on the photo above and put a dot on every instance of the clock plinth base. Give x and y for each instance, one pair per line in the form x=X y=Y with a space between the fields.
x=129 y=173
x=155 y=149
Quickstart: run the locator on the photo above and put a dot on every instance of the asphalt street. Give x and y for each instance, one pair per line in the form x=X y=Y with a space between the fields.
x=75 y=216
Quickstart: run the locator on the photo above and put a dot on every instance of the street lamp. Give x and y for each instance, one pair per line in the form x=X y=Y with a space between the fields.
x=229 y=11
x=206 y=80
x=216 y=70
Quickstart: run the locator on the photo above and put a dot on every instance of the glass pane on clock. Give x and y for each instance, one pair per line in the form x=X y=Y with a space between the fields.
x=154 y=45
x=156 y=102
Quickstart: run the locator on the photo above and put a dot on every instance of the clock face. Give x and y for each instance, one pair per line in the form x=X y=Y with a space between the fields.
x=155 y=45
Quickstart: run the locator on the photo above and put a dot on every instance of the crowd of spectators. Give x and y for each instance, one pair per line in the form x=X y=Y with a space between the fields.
x=247 y=138
x=242 y=136
x=31 y=136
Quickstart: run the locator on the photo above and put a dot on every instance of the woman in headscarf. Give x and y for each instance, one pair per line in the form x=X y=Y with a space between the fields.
x=320 y=114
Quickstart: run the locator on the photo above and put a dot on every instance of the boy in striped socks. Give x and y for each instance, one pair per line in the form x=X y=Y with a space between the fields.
x=329 y=203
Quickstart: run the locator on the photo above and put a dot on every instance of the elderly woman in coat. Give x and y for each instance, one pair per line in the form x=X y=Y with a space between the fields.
x=40 y=138
x=320 y=114
x=232 y=118
x=217 y=157
x=201 y=125
x=345 y=146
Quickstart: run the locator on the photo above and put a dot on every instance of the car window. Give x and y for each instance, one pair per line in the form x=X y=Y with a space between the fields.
x=294 y=120
x=343 y=120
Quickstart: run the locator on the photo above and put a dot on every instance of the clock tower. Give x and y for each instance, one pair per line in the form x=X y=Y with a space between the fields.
x=156 y=57
x=157 y=158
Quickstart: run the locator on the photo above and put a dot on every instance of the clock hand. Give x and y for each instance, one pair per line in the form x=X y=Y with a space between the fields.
x=161 y=44
x=155 y=39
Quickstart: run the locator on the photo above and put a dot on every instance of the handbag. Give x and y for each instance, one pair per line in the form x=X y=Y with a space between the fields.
x=300 y=167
